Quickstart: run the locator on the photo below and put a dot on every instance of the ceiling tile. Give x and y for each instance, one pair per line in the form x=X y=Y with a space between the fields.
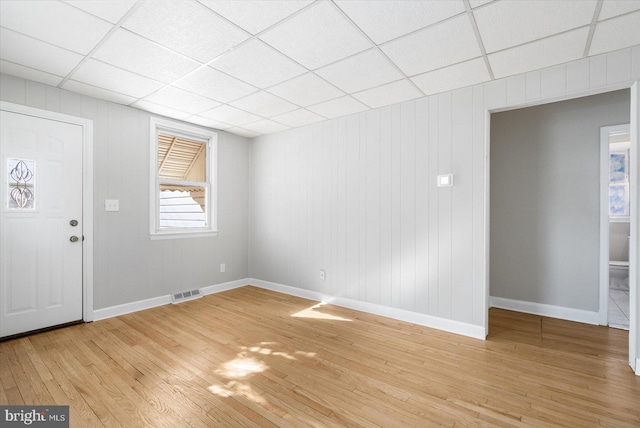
x=181 y=100
x=478 y=3
x=215 y=84
x=134 y=53
x=386 y=20
x=256 y=15
x=453 y=77
x=264 y=104
x=443 y=44
x=338 y=107
x=539 y=54
x=110 y=10
x=230 y=115
x=186 y=27
x=29 y=73
x=361 y=71
x=247 y=63
x=36 y=54
x=306 y=90
x=209 y=123
x=92 y=91
x=108 y=77
x=611 y=8
x=616 y=33
x=161 y=110
x=505 y=24
x=391 y=93
x=242 y=132
x=54 y=22
x=265 y=126
x=313 y=46
x=298 y=117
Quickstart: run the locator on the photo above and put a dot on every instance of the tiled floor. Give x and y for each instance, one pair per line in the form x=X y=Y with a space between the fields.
x=618 y=305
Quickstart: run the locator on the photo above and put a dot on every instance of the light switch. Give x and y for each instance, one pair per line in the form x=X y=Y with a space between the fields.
x=445 y=180
x=111 y=205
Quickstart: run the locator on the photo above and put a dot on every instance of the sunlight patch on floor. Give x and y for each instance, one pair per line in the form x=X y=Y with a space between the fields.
x=314 y=313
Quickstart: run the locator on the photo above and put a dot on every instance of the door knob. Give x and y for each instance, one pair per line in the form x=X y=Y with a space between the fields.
x=73 y=239
x=73 y=223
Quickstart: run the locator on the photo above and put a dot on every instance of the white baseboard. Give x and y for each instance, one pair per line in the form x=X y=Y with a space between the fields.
x=127 y=308
x=139 y=305
x=552 y=311
x=212 y=289
x=451 y=326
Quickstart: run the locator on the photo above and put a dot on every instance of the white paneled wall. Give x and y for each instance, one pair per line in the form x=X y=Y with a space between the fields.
x=128 y=267
x=357 y=195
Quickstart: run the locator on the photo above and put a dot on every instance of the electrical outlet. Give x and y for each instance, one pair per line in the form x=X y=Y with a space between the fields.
x=323 y=274
x=111 y=205
x=223 y=267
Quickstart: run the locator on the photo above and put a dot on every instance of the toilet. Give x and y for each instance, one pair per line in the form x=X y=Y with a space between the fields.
x=619 y=275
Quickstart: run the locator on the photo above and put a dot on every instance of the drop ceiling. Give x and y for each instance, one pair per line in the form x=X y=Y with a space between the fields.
x=254 y=67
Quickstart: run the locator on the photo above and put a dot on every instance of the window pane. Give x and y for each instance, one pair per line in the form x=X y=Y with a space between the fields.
x=182 y=207
x=618 y=200
x=617 y=167
x=181 y=158
x=20 y=184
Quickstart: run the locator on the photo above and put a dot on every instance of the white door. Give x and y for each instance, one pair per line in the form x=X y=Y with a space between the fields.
x=40 y=223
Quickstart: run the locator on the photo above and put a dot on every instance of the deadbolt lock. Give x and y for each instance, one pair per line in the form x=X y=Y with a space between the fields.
x=73 y=239
x=73 y=223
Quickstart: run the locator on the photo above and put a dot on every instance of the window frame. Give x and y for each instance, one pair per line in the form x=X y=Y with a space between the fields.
x=208 y=137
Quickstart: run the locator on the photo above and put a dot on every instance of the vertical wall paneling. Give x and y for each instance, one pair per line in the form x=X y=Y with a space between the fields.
x=408 y=205
x=597 y=71
x=396 y=205
x=352 y=207
x=462 y=205
x=372 y=244
x=553 y=81
x=434 y=202
x=341 y=211
x=422 y=206
x=516 y=89
x=386 y=220
x=364 y=274
x=578 y=75
x=619 y=67
x=480 y=182
x=533 y=85
x=444 y=207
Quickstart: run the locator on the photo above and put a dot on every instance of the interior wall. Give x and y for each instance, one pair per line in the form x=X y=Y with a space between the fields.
x=619 y=233
x=545 y=199
x=128 y=266
x=356 y=196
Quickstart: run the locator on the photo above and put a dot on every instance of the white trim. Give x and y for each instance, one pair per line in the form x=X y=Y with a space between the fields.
x=127 y=308
x=140 y=305
x=605 y=218
x=212 y=289
x=457 y=327
x=210 y=138
x=552 y=311
x=634 y=255
x=637 y=370
x=87 y=193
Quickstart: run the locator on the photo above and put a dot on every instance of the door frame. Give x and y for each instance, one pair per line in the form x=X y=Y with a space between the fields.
x=605 y=132
x=87 y=192
x=634 y=194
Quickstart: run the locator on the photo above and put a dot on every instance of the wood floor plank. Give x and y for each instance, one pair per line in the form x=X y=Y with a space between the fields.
x=250 y=357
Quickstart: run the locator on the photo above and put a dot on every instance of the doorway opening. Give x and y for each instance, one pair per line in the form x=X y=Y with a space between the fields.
x=615 y=223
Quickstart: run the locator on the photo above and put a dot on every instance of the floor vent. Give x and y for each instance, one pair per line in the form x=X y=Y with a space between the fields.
x=185 y=295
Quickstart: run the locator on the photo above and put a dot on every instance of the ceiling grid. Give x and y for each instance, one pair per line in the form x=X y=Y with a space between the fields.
x=262 y=66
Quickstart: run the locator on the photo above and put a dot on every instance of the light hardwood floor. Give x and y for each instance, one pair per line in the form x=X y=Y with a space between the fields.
x=251 y=357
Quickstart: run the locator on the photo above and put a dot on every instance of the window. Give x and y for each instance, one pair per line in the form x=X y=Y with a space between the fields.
x=183 y=187
x=619 y=180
